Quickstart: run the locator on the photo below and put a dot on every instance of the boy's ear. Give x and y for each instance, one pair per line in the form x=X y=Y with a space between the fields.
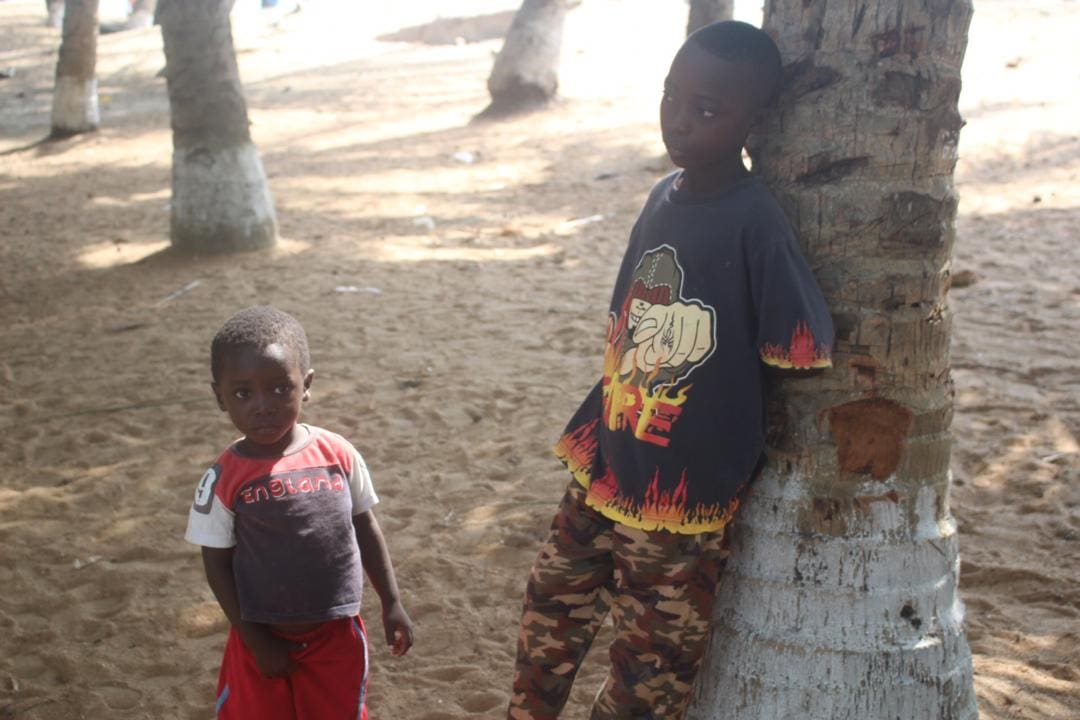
x=217 y=396
x=307 y=383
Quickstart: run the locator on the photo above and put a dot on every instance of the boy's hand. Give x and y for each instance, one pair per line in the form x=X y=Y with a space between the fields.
x=667 y=336
x=273 y=654
x=398 y=627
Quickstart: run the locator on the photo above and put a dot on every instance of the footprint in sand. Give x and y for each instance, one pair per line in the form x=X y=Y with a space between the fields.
x=448 y=673
x=484 y=701
x=424 y=609
x=118 y=697
x=89 y=630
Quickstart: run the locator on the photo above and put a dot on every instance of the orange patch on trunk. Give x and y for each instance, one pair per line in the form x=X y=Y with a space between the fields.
x=870 y=435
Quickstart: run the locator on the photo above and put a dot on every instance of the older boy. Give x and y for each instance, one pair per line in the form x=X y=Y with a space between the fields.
x=711 y=290
x=284 y=518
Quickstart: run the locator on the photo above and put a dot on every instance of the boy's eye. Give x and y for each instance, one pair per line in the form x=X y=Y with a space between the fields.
x=706 y=113
x=282 y=389
x=242 y=394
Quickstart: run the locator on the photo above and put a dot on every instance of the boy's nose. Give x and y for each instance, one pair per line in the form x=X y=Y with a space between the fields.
x=263 y=404
x=680 y=121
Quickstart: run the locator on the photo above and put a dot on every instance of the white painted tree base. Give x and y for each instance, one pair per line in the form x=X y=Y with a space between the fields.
x=863 y=626
x=75 y=106
x=221 y=201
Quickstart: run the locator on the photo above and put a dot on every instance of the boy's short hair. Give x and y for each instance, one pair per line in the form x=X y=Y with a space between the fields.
x=259 y=327
x=742 y=43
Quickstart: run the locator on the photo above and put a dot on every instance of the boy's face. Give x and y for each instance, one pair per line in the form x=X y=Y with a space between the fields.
x=706 y=112
x=262 y=390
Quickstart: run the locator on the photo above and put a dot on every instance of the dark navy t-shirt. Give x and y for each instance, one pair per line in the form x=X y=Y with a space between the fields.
x=709 y=292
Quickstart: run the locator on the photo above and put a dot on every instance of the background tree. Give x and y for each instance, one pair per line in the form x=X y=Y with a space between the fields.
x=840 y=599
x=220 y=197
x=55 y=10
x=142 y=14
x=526 y=70
x=703 y=12
x=75 y=96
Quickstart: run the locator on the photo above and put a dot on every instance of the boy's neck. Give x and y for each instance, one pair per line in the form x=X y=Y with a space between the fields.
x=288 y=444
x=704 y=182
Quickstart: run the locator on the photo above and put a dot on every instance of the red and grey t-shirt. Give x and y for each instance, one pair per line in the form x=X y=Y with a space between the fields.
x=290 y=519
x=709 y=292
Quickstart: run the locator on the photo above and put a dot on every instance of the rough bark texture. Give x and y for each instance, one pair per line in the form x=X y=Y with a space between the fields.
x=221 y=201
x=75 y=98
x=840 y=600
x=526 y=70
x=703 y=12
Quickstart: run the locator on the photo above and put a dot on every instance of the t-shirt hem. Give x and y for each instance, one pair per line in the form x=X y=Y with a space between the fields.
x=208 y=541
x=364 y=507
x=334 y=613
x=650 y=525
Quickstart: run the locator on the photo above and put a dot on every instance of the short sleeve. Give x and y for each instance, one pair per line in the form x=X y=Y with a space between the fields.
x=360 y=487
x=794 y=329
x=210 y=522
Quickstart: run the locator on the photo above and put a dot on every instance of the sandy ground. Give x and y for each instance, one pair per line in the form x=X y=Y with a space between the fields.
x=453 y=279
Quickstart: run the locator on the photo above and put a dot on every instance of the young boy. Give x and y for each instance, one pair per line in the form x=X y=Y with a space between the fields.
x=712 y=289
x=284 y=518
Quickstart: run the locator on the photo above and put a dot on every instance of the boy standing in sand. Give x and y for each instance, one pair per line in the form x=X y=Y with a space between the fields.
x=712 y=290
x=285 y=523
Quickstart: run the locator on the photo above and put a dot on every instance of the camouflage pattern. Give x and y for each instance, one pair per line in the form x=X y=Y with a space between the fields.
x=659 y=588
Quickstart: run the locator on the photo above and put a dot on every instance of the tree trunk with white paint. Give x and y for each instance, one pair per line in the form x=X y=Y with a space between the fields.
x=220 y=198
x=704 y=12
x=526 y=70
x=75 y=96
x=840 y=598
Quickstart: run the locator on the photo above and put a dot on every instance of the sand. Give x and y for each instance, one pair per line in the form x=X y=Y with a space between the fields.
x=453 y=278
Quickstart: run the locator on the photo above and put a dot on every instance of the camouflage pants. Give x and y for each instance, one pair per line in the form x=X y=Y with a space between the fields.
x=659 y=587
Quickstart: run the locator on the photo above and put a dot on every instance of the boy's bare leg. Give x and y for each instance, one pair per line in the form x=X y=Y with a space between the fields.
x=565 y=601
x=662 y=612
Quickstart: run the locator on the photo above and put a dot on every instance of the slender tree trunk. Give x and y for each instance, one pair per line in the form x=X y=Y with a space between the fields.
x=840 y=599
x=526 y=70
x=75 y=97
x=703 y=12
x=220 y=198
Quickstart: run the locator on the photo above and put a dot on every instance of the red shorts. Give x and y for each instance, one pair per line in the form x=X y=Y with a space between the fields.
x=329 y=683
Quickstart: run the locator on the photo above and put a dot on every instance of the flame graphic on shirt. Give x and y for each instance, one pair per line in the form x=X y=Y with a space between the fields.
x=578 y=450
x=659 y=509
x=802 y=351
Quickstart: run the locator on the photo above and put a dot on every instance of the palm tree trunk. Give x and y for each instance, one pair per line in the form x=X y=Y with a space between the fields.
x=703 y=12
x=220 y=198
x=75 y=97
x=526 y=70
x=840 y=599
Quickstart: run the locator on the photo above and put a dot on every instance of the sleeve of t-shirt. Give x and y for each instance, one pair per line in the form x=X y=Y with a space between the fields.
x=794 y=328
x=360 y=487
x=210 y=521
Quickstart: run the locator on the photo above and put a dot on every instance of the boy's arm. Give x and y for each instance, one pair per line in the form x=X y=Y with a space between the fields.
x=272 y=653
x=380 y=572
